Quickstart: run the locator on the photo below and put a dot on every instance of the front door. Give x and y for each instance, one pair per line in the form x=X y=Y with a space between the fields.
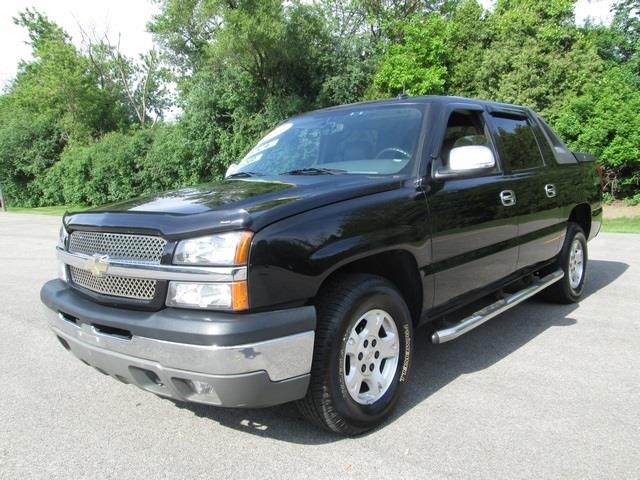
x=474 y=225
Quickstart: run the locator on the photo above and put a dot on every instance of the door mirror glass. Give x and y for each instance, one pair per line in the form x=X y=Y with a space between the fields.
x=466 y=159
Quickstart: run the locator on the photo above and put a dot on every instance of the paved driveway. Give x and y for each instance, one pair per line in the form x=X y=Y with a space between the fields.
x=543 y=391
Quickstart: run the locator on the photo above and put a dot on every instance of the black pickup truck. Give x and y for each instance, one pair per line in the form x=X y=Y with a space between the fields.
x=305 y=272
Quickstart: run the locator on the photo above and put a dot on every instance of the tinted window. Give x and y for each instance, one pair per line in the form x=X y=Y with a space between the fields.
x=463 y=128
x=543 y=143
x=519 y=146
x=369 y=141
x=560 y=151
x=551 y=134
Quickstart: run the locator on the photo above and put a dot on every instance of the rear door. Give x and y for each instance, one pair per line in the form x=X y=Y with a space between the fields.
x=540 y=224
x=473 y=231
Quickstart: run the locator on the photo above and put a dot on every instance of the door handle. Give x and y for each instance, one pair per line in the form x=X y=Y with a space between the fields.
x=508 y=198
x=550 y=190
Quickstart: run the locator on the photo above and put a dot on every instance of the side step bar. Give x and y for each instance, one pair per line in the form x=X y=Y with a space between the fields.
x=487 y=313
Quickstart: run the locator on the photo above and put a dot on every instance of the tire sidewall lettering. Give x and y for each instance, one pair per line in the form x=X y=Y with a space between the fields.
x=407 y=353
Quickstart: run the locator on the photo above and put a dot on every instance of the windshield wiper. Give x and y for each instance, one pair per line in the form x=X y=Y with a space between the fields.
x=244 y=175
x=314 y=171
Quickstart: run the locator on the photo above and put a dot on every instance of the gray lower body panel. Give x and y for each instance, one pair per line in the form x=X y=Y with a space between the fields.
x=259 y=372
x=250 y=389
x=253 y=389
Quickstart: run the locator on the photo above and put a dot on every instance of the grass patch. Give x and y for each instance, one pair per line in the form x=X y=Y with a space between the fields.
x=56 y=210
x=621 y=225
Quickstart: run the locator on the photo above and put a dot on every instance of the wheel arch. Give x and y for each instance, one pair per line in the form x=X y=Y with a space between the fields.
x=397 y=266
x=581 y=214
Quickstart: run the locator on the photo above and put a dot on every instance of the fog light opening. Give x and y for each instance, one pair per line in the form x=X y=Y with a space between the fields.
x=201 y=388
x=144 y=376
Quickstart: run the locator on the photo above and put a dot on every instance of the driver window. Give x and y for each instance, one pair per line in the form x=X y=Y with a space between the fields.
x=463 y=128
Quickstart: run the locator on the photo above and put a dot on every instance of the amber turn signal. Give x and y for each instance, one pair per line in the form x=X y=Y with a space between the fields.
x=242 y=248
x=239 y=296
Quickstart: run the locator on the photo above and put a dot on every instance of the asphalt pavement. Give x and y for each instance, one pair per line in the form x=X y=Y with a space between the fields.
x=542 y=391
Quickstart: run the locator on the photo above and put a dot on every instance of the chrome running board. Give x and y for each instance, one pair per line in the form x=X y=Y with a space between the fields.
x=478 y=318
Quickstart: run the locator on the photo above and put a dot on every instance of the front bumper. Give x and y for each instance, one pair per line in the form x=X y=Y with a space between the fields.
x=229 y=360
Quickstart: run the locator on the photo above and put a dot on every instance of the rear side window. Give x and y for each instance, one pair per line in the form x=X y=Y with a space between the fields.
x=518 y=143
x=555 y=140
x=560 y=151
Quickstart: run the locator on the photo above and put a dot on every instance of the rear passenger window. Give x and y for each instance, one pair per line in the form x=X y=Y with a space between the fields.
x=519 y=145
x=560 y=151
x=555 y=140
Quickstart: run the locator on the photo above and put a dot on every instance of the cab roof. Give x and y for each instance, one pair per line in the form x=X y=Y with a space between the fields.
x=424 y=99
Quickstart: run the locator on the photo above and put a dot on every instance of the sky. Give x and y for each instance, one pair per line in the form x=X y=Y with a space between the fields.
x=128 y=19
x=125 y=17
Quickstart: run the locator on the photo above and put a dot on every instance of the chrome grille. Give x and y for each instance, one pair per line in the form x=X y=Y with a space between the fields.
x=119 y=246
x=137 y=288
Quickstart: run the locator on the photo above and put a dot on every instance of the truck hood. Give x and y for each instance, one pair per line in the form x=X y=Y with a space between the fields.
x=250 y=203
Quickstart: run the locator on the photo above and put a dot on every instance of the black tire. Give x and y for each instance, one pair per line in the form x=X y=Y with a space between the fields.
x=339 y=306
x=562 y=291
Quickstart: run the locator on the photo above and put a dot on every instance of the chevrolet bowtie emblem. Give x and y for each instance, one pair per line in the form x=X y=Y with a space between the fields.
x=97 y=265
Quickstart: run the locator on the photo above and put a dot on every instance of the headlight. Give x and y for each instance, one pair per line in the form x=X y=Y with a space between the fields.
x=222 y=249
x=62 y=238
x=231 y=248
x=214 y=296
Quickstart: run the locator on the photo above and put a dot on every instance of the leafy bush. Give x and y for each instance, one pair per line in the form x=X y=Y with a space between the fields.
x=75 y=127
x=605 y=122
x=29 y=146
x=105 y=171
x=632 y=201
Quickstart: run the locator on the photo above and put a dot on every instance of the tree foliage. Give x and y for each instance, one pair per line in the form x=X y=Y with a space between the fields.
x=416 y=65
x=605 y=121
x=84 y=124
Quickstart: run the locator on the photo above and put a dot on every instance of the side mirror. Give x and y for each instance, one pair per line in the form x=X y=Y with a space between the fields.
x=471 y=157
x=467 y=160
x=233 y=168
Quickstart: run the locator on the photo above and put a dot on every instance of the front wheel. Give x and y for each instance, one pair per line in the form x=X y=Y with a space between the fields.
x=362 y=354
x=573 y=261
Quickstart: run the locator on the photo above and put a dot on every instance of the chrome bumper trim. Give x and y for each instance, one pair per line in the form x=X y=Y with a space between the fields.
x=281 y=358
x=159 y=272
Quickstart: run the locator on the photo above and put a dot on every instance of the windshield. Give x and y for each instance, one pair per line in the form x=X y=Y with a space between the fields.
x=365 y=140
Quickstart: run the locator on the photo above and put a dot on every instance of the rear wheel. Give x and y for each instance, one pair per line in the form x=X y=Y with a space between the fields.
x=573 y=261
x=362 y=354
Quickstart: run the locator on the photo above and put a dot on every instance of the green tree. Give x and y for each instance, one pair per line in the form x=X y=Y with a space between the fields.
x=59 y=83
x=534 y=55
x=29 y=145
x=467 y=40
x=66 y=98
x=185 y=28
x=416 y=65
x=626 y=24
x=605 y=122
x=74 y=117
